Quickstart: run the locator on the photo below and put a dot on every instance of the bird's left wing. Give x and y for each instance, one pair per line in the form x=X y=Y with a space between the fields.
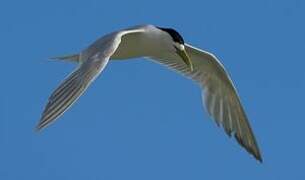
x=220 y=96
x=96 y=58
x=71 y=89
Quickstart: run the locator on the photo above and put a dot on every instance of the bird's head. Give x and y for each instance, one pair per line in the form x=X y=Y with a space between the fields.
x=178 y=44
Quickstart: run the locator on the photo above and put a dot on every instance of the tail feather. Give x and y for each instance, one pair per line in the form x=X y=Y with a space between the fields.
x=72 y=58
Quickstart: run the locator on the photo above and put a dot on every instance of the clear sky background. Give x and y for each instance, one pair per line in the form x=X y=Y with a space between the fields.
x=138 y=120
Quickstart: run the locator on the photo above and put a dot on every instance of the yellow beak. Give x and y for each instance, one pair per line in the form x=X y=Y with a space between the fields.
x=186 y=59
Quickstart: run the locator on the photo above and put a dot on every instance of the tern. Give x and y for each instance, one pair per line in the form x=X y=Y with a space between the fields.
x=167 y=47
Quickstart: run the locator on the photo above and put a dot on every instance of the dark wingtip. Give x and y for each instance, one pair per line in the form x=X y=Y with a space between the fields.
x=38 y=128
x=253 y=151
x=259 y=158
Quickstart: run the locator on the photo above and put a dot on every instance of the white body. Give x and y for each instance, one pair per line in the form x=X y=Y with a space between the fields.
x=147 y=42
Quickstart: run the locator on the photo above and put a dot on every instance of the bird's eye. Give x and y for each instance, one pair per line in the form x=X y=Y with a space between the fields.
x=179 y=46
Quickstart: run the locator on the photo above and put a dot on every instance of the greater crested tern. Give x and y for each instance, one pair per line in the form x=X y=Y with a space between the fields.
x=164 y=46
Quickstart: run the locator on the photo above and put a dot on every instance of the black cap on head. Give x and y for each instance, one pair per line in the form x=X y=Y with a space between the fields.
x=174 y=34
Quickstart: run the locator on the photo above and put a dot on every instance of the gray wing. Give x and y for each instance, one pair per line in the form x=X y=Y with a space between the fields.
x=70 y=90
x=219 y=94
x=95 y=58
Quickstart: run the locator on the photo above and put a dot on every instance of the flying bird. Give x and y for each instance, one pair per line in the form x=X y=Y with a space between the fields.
x=167 y=47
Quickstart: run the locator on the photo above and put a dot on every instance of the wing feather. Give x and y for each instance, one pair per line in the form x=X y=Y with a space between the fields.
x=92 y=61
x=219 y=94
x=70 y=90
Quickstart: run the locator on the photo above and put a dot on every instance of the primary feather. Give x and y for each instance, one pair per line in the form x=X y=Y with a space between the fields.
x=219 y=94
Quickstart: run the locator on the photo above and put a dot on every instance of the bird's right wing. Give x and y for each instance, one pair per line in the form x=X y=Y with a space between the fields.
x=219 y=95
x=95 y=58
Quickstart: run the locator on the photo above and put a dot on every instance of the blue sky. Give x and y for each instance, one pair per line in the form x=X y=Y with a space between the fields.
x=139 y=120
